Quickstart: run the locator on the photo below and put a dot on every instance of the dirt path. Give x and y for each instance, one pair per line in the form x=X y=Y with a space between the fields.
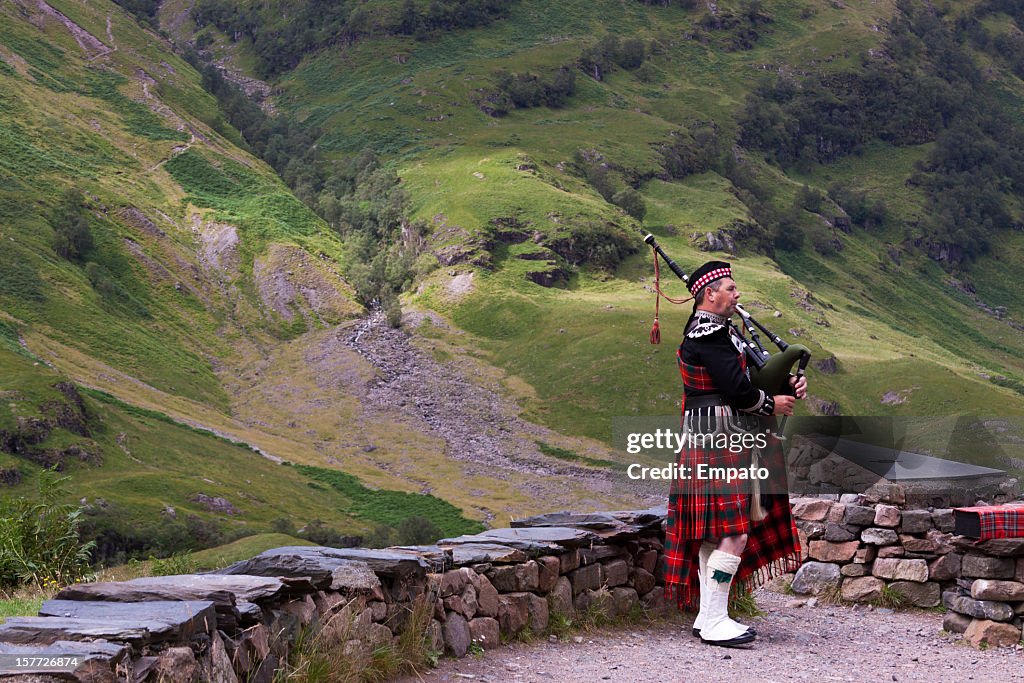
x=820 y=643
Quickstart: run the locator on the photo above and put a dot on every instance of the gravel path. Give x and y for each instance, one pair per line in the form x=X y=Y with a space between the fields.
x=818 y=643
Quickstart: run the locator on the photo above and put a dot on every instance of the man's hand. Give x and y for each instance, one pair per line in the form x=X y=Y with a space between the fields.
x=784 y=405
x=799 y=386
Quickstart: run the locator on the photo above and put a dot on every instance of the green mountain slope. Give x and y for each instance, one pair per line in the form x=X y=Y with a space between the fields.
x=900 y=323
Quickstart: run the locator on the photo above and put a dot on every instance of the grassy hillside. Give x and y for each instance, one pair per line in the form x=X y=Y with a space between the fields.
x=893 y=318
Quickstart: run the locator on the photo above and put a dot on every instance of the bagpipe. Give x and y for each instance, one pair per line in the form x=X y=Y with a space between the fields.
x=767 y=371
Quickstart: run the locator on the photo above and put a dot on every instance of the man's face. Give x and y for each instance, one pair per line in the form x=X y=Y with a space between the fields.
x=723 y=301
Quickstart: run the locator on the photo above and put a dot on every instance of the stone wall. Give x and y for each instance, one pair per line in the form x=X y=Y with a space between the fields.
x=241 y=623
x=871 y=552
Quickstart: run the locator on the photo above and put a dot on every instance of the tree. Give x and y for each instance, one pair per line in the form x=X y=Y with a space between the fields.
x=72 y=237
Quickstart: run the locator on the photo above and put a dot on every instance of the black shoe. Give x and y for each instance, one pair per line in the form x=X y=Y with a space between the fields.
x=696 y=631
x=744 y=639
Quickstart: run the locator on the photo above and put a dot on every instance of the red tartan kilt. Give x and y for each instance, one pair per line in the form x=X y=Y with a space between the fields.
x=712 y=508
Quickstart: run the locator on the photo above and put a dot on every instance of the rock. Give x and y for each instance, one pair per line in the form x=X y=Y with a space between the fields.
x=865 y=555
x=532 y=539
x=176 y=664
x=811 y=509
x=98 y=661
x=654 y=602
x=825 y=551
x=918 y=594
x=453 y=582
x=476 y=553
x=527 y=576
x=891 y=551
x=1004 y=591
x=568 y=561
x=624 y=600
x=485 y=632
x=548 y=569
x=981 y=567
x=487 y=599
x=1019 y=573
x=901 y=570
x=915 y=521
x=456 y=635
x=943 y=520
x=615 y=573
x=537 y=613
x=455 y=604
x=941 y=541
x=887 y=516
x=859 y=515
x=912 y=544
x=158 y=621
x=945 y=568
x=642 y=580
x=979 y=609
x=389 y=562
x=836 y=514
x=840 y=533
x=853 y=569
x=1002 y=547
x=503 y=578
x=513 y=612
x=813 y=530
x=954 y=622
x=378 y=635
x=814 y=577
x=862 y=589
x=991 y=633
x=597 y=602
x=875 y=536
x=585 y=578
x=560 y=598
x=648 y=561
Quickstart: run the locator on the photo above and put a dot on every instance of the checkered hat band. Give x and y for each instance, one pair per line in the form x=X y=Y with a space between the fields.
x=711 y=276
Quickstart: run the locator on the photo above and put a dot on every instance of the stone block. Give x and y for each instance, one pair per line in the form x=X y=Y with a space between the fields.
x=814 y=577
x=979 y=609
x=913 y=544
x=654 y=602
x=811 y=509
x=865 y=555
x=876 y=536
x=824 y=551
x=989 y=633
x=915 y=521
x=859 y=515
x=453 y=582
x=862 y=589
x=548 y=568
x=513 y=612
x=598 y=602
x=891 y=551
x=486 y=598
x=954 y=622
x=943 y=520
x=641 y=580
x=537 y=613
x=624 y=600
x=812 y=530
x=992 y=589
x=1018 y=574
x=941 y=540
x=836 y=513
x=486 y=632
x=560 y=598
x=568 y=561
x=983 y=567
x=887 y=516
x=840 y=533
x=614 y=573
x=945 y=568
x=456 y=635
x=853 y=569
x=1002 y=547
x=527 y=576
x=900 y=570
x=503 y=578
x=918 y=594
x=585 y=578
x=648 y=560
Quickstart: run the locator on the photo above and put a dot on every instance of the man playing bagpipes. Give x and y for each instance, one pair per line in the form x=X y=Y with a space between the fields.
x=724 y=533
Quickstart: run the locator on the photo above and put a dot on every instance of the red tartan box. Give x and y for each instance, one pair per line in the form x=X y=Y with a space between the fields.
x=991 y=521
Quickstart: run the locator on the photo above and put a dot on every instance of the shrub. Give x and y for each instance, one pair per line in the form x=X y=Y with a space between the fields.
x=72 y=237
x=39 y=540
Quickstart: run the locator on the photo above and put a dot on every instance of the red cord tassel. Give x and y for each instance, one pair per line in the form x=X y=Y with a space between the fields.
x=656 y=332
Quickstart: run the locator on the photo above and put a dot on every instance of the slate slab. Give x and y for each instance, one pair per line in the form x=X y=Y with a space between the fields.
x=180 y=619
x=388 y=562
x=538 y=540
x=91 y=657
x=478 y=553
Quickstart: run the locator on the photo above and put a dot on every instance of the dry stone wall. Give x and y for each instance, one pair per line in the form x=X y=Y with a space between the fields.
x=241 y=623
x=871 y=552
